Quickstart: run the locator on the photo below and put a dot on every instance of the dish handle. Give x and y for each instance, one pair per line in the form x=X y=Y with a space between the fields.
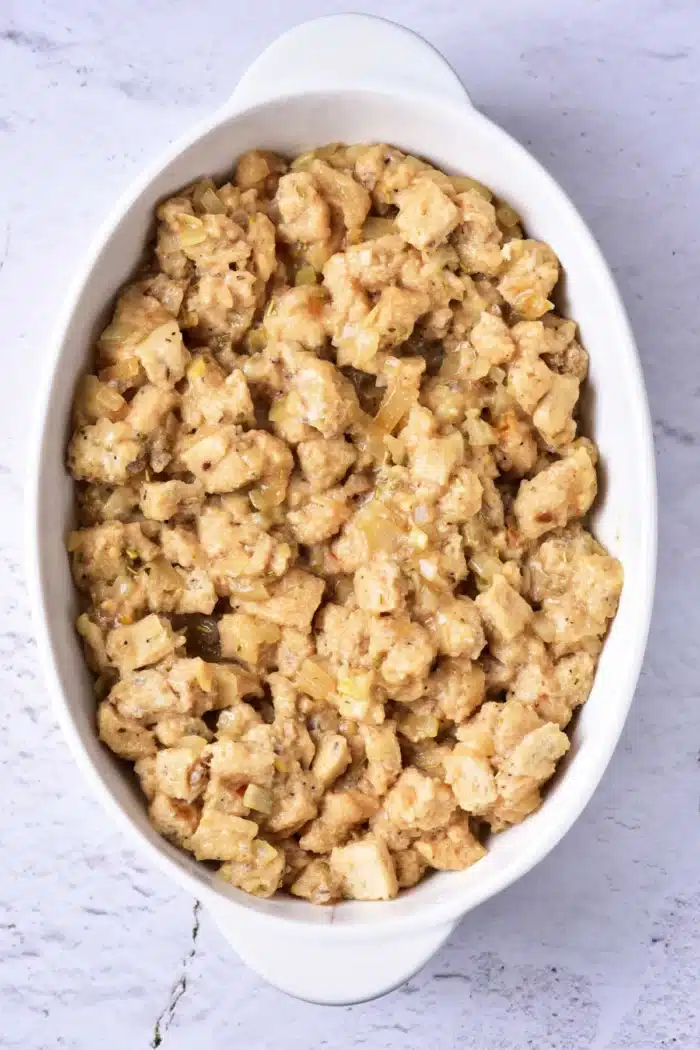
x=352 y=51
x=321 y=969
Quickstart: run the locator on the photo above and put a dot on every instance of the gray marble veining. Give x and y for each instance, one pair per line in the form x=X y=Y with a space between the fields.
x=599 y=947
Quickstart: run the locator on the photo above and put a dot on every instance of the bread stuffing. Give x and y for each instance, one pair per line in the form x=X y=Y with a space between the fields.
x=338 y=590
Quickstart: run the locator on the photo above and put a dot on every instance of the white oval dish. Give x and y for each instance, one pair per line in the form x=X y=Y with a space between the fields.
x=302 y=92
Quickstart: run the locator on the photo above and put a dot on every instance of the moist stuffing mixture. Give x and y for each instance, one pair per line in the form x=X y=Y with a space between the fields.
x=338 y=594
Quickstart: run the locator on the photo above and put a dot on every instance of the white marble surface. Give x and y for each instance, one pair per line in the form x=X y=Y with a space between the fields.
x=599 y=947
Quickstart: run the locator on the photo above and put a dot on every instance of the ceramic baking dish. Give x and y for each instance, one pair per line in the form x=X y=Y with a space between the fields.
x=357 y=79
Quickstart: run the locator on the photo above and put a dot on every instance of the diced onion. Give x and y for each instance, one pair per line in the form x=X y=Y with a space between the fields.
x=121 y=373
x=256 y=339
x=368 y=436
x=236 y=564
x=196 y=189
x=270 y=493
x=377 y=226
x=259 y=799
x=358 y=686
x=249 y=639
x=379 y=526
x=507 y=216
x=119 y=503
x=418 y=539
x=302 y=162
x=417 y=727
x=109 y=400
x=116 y=335
x=98 y=399
x=397 y=448
x=485 y=566
x=188 y=222
x=250 y=590
x=305 y=160
x=365 y=711
x=211 y=202
x=318 y=254
x=397 y=403
x=428 y=568
x=315 y=681
x=462 y=183
x=305 y=275
x=278 y=409
x=190 y=230
x=264 y=852
x=197 y=369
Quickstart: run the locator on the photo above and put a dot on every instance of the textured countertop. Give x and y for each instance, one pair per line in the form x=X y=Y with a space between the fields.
x=599 y=947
